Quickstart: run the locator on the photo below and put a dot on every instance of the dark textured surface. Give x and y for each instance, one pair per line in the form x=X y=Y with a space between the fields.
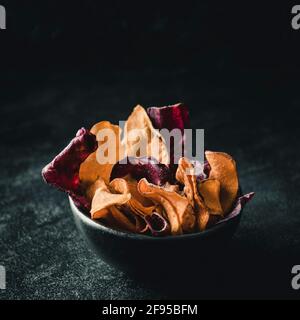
x=241 y=83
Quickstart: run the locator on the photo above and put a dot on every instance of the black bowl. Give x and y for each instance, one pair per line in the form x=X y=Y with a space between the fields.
x=141 y=254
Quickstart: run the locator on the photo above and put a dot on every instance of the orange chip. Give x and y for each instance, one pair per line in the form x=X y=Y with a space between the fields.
x=186 y=175
x=142 y=139
x=203 y=220
x=91 y=169
x=210 y=192
x=176 y=207
x=104 y=199
x=98 y=184
x=121 y=220
x=223 y=168
x=137 y=203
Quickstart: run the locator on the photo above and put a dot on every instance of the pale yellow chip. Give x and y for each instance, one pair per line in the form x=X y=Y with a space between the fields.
x=176 y=207
x=141 y=139
x=210 y=191
x=91 y=169
x=223 y=168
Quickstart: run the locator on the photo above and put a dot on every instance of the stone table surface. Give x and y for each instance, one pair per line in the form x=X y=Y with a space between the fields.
x=253 y=120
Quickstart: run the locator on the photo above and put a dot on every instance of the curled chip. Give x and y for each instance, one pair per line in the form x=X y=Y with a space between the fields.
x=157 y=224
x=141 y=139
x=62 y=171
x=100 y=163
x=104 y=199
x=138 y=168
x=210 y=191
x=137 y=204
x=185 y=174
x=223 y=169
x=176 y=207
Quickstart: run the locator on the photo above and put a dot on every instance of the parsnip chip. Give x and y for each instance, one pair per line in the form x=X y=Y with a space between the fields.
x=137 y=203
x=177 y=207
x=142 y=139
x=210 y=192
x=223 y=168
x=185 y=174
x=104 y=199
x=111 y=147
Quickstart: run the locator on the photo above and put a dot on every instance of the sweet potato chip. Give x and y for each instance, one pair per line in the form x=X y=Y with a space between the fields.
x=141 y=139
x=203 y=220
x=223 y=168
x=121 y=221
x=210 y=191
x=98 y=184
x=104 y=199
x=177 y=207
x=91 y=169
x=238 y=206
x=137 y=203
x=185 y=174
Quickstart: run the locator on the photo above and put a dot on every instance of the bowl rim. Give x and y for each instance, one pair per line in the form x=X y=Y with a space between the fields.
x=137 y=236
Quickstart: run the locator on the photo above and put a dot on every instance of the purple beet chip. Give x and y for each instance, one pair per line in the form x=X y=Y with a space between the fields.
x=63 y=171
x=157 y=224
x=155 y=172
x=172 y=117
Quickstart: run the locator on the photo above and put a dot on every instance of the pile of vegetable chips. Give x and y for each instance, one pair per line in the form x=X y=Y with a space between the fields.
x=131 y=180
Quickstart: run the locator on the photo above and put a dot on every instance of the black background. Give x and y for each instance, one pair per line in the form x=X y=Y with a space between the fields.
x=67 y=64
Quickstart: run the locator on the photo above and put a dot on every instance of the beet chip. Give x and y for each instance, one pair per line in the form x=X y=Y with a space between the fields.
x=138 y=168
x=63 y=171
x=170 y=117
x=157 y=224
